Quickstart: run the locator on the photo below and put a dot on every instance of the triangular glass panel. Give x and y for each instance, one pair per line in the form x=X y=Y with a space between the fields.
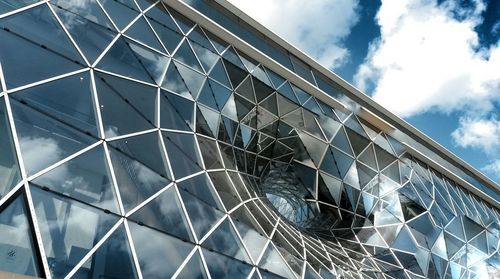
x=113 y=259
x=352 y=177
x=186 y=55
x=225 y=240
x=230 y=109
x=17 y=243
x=262 y=91
x=194 y=268
x=211 y=119
x=120 y=13
x=159 y=255
x=341 y=142
x=225 y=189
x=392 y=172
x=358 y=142
x=276 y=79
x=10 y=5
x=43 y=140
x=92 y=34
x=343 y=161
x=202 y=215
x=146 y=149
x=69 y=229
x=302 y=96
x=68 y=100
x=270 y=104
x=192 y=78
x=184 y=23
x=231 y=56
x=206 y=57
x=141 y=31
x=168 y=37
x=218 y=72
x=243 y=107
x=333 y=185
x=176 y=112
x=10 y=174
x=383 y=157
x=285 y=107
x=236 y=74
x=245 y=89
x=210 y=153
x=249 y=63
x=20 y=56
x=126 y=107
x=201 y=187
x=86 y=178
x=92 y=11
x=365 y=174
x=287 y=91
x=133 y=60
x=164 y=213
x=221 y=266
x=272 y=261
x=207 y=96
x=123 y=58
x=221 y=94
x=44 y=30
x=136 y=182
x=254 y=241
x=198 y=36
x=353 y=123
x=315 y=148
x=160 y=15
x=174 y=82
x=183 y=153
x=368 y=157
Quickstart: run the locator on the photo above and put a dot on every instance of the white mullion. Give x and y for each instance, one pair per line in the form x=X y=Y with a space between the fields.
x=177 y=131
x=23 y=9
x=107 y=15
x=142 y=44
x=113 y=178
x=207 y=235
x=154 y=32
x=11 y=192
x=69 y=35
x=149 y=131
x=242 y=242
x=164 y=149
x=97 y=107
x=188 y=218
x=158 y=108
x=204 y=262
x=268 y=242
x=105 y=51
x=125 y=77
x=152 y=197
x=130 y=24
x=132 y=249
x=60 y=162
x=36 y=228
x=184 y=263
x=46 y=80
x=91 y=252
x=13 y=130
x=189 y=176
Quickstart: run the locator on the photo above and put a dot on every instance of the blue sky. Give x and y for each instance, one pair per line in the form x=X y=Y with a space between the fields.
x=435 y=63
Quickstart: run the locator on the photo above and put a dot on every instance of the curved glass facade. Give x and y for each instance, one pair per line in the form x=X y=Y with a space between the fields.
x=136 y=144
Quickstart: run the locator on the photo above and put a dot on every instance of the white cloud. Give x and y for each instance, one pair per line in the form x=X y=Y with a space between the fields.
x=427 y=59
x=317 y=27
x=493 y=168
x=479 y=132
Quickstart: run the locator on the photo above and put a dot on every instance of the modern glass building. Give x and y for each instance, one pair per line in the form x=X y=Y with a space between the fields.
x=158 y=139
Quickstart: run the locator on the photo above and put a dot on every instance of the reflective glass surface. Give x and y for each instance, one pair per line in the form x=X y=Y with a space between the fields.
x=172 y=153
